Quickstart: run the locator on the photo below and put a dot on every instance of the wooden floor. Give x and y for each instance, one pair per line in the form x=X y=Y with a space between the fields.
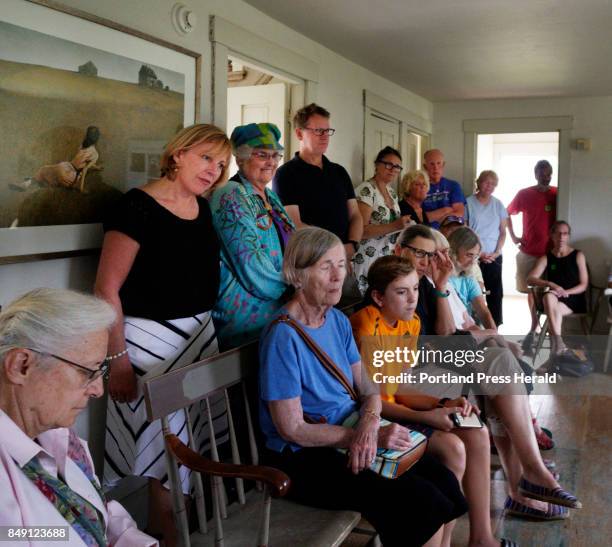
x=579 y=412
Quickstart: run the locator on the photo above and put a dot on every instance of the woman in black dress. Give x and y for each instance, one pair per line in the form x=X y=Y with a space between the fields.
x=563 y=271
x=413 y=189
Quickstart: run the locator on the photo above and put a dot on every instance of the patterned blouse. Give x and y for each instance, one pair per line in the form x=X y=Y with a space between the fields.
x=370 y=249
x=252 y=237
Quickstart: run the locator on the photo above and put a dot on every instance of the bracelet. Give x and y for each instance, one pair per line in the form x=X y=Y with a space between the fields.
x=371 y=412
x=116 y=355
x=442 y=402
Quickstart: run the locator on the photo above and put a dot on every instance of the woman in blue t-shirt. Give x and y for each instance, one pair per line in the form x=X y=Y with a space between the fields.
x=303 y=408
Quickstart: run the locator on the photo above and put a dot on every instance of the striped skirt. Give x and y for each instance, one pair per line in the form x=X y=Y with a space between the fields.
x=135 y=446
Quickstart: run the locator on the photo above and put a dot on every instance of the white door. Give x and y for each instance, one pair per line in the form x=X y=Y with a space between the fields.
x=380 y=131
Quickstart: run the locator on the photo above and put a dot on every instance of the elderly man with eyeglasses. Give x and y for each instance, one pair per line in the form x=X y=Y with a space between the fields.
x=316 y=191
x=52 y=359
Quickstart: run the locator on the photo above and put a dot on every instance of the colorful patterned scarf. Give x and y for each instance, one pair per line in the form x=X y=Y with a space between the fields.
x=78 y=512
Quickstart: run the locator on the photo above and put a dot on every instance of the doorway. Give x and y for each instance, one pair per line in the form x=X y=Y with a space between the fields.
x=513 y=156
x=382 y=130
x=255 y=95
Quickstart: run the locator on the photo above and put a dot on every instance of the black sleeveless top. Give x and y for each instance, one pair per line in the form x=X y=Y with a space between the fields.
x=564 y=272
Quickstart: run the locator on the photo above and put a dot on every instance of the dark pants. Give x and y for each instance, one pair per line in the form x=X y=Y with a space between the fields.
x=405 y=511
x=492 y=275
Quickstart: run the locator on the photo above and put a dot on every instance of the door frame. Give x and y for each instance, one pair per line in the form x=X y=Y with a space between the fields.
x=561 y=124
x=229 y=39
x=408 y=121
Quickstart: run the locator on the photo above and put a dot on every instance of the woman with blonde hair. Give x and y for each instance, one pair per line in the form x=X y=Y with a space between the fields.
x=159 y=269
x=413 y=189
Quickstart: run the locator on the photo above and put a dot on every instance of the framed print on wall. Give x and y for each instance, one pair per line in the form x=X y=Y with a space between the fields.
x=86 y=107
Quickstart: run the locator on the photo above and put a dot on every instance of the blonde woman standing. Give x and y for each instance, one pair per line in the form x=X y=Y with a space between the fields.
x=159 y=269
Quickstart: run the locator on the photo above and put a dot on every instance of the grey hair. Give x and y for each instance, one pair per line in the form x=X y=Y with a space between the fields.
x=305 y=248
x=441 y=241
x=463 y=238
x=48 y=320
x=243 y=152
x=414 y=231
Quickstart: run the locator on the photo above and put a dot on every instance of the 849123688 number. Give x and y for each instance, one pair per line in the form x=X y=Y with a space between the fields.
x=26 y=533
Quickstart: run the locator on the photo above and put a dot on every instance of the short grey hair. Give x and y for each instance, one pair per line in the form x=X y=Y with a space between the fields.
x=49 y=320
x=441 y=241
x=305 y=249
x=243 y=152
x=463 y=238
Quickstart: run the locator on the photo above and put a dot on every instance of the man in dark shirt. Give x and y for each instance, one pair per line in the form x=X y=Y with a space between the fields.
x=314 y=190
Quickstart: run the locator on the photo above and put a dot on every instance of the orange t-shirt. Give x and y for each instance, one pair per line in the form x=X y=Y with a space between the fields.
x=372 y=333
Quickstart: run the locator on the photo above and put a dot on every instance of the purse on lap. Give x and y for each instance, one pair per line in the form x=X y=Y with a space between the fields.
x=391 y=463
x=388 y=463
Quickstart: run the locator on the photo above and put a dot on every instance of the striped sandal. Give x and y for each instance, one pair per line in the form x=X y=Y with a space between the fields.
x=552 y=495
x=518 y=509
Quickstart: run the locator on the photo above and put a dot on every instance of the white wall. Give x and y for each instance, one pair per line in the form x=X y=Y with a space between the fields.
x=340 y=90
x=590 y=172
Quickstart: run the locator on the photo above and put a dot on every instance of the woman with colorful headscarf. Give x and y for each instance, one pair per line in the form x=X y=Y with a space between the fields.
x=253 y=229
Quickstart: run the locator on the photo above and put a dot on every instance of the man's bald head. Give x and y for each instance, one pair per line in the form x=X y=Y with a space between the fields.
x=433 y=163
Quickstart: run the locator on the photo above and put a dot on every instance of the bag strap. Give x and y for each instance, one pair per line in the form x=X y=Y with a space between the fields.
x=325 y=359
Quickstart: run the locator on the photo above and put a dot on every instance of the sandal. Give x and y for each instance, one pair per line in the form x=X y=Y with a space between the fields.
x=552 y=495
x=508 y=543
x=545 y=441
x=518 y=509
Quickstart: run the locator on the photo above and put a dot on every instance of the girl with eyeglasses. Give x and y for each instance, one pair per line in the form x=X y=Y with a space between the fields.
x=380 y=210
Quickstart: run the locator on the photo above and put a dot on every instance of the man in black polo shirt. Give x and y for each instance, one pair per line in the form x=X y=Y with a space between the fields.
x=314 y=190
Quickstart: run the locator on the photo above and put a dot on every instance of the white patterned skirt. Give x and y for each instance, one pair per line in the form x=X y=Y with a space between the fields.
x=135 y=446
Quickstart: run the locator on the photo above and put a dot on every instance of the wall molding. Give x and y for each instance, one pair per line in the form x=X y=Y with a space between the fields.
x=389 y=108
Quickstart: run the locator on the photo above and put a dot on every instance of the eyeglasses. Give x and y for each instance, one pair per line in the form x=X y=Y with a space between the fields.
x=320 y=131
x=91 y=374
x=391 y=166
x=264 y=156
x=420 y=253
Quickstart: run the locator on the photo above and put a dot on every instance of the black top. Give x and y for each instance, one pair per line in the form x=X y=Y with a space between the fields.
x=407 y=209
x=321 y=194
x=176 y=271
x=427 y=307
x=564 y=272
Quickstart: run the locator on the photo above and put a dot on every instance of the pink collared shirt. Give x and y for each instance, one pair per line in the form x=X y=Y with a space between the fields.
x=23 y=504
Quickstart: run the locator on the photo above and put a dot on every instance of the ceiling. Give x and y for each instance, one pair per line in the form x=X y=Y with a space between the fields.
x=466 y=49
